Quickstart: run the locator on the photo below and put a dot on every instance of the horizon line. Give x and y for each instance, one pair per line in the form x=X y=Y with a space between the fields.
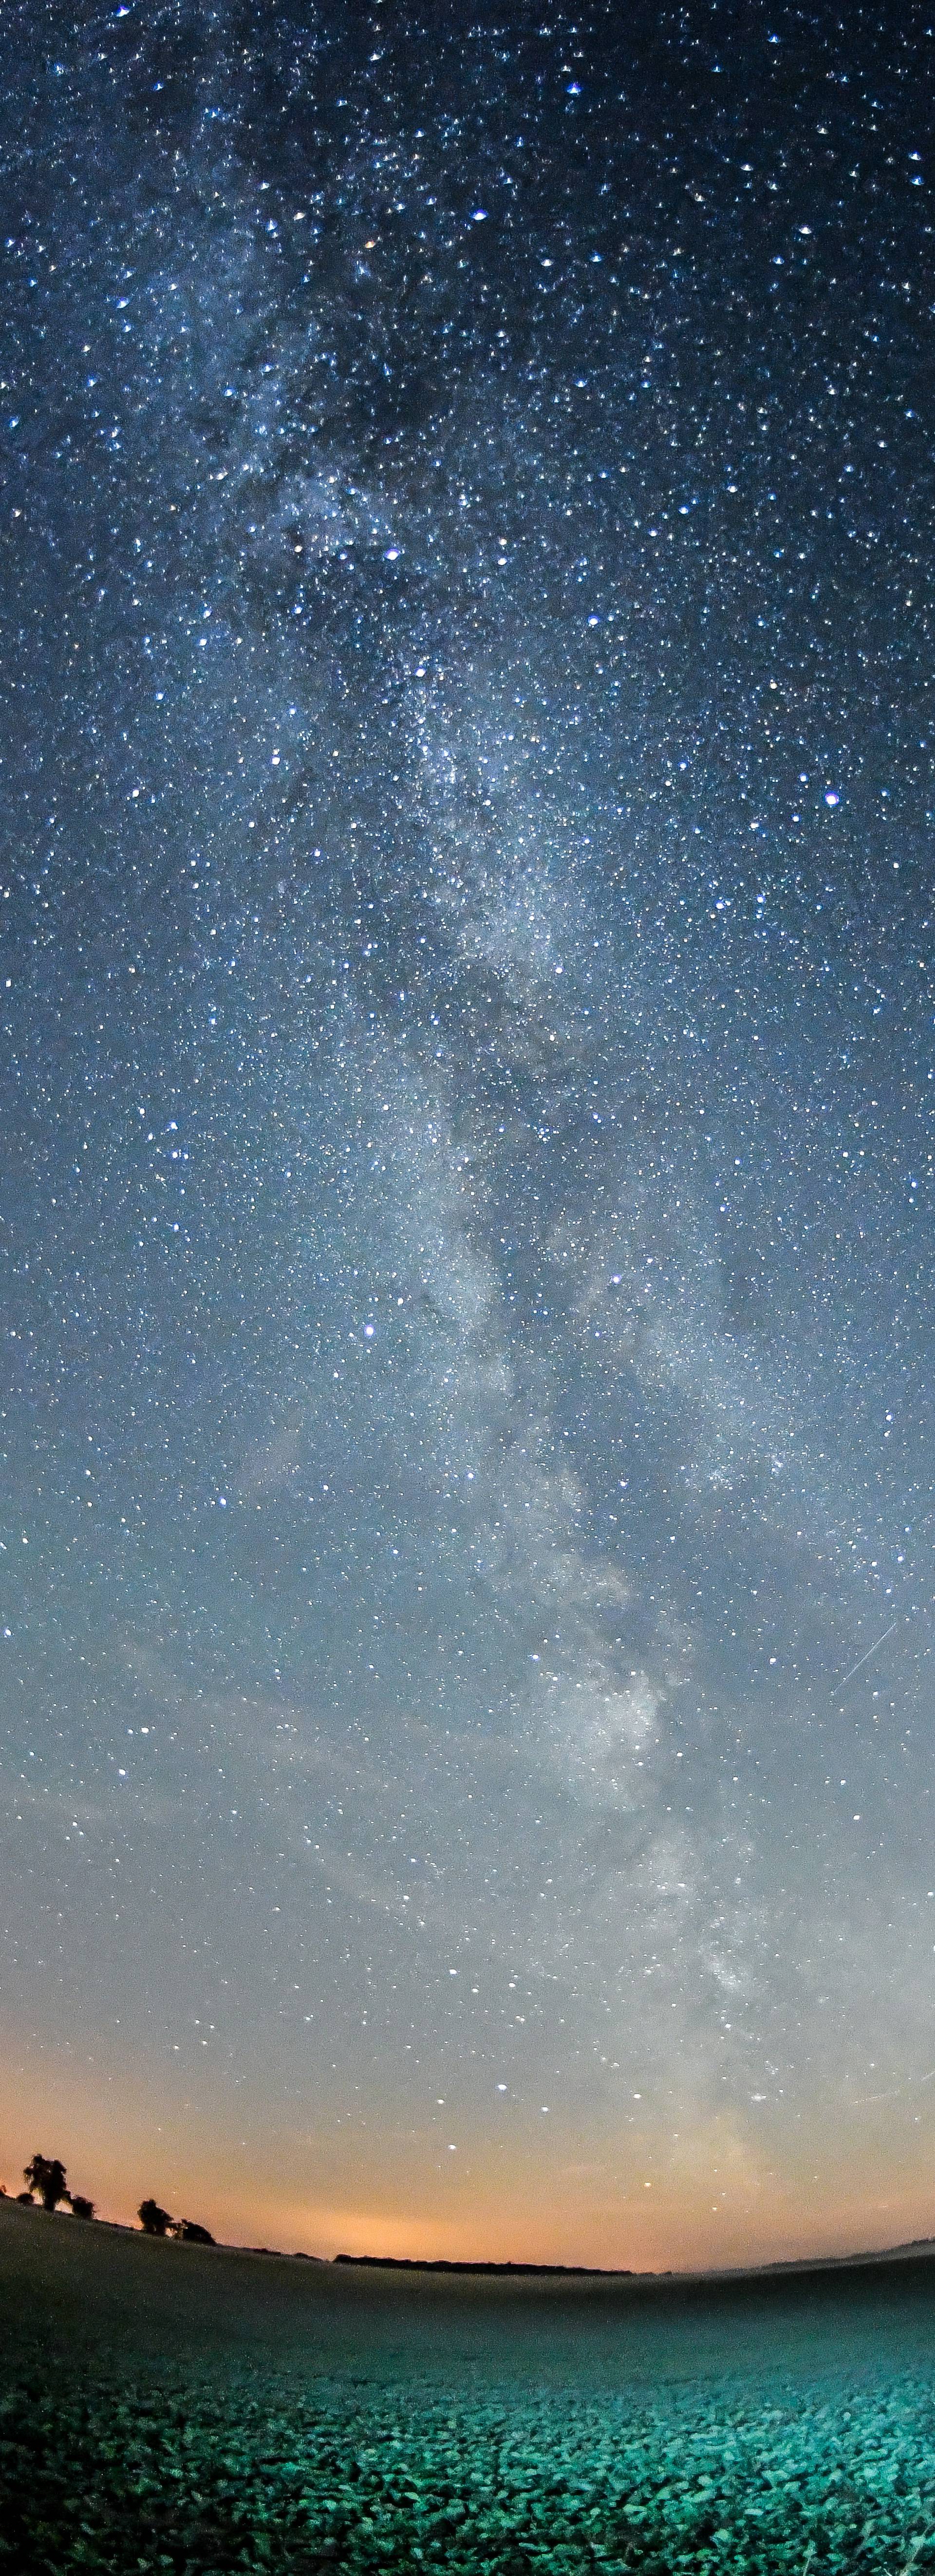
x=506 y=2268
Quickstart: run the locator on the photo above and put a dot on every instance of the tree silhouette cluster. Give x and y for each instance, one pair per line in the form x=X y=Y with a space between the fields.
x=46 y=2181
x=44 y=2177
x=158 y=2222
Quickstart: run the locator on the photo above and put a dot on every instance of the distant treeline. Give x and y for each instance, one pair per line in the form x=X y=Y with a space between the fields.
x=551 y=2271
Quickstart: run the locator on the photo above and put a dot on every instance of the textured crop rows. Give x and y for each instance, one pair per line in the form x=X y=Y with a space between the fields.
x=199 y=2477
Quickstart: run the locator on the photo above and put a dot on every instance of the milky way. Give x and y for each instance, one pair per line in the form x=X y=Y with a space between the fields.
x=467 y=1087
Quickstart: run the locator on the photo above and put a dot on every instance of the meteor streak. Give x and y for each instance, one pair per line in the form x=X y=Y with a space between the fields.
x=865 y=1659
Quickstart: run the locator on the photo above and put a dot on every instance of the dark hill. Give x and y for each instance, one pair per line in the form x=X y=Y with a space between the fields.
x=121 y=2300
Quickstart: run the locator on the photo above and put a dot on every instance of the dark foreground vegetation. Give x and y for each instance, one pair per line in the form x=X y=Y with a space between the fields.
x=204 y=2412
x=259 y=2476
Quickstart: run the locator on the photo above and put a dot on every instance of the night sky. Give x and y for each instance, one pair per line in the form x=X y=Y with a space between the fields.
x=467 y=1077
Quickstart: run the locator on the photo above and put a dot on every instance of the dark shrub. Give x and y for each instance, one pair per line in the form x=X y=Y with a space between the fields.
x=153 y=2220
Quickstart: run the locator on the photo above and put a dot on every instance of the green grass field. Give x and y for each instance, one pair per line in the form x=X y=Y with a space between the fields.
x=164 y=2408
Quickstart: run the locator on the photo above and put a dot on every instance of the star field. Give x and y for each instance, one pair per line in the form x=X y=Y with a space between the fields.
x=468 y=1069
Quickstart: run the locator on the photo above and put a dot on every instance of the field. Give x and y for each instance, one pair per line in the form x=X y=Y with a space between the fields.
x=168 y=2408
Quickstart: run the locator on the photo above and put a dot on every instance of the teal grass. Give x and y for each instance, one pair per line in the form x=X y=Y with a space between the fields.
x=255 y=2476
x=166 y=2408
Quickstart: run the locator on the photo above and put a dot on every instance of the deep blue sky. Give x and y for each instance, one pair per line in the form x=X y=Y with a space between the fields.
x=467 y=1087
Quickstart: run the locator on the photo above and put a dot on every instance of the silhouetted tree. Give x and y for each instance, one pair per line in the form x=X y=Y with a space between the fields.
x=26 y=2199
x=46 y=2175
x=80 y=2207
x=189 y=2233
x=153 y=2220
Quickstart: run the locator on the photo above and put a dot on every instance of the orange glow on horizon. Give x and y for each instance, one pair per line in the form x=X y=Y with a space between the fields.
x=716 y=2200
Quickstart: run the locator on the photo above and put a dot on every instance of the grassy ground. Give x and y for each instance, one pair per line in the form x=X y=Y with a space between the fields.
x=166 y=2409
